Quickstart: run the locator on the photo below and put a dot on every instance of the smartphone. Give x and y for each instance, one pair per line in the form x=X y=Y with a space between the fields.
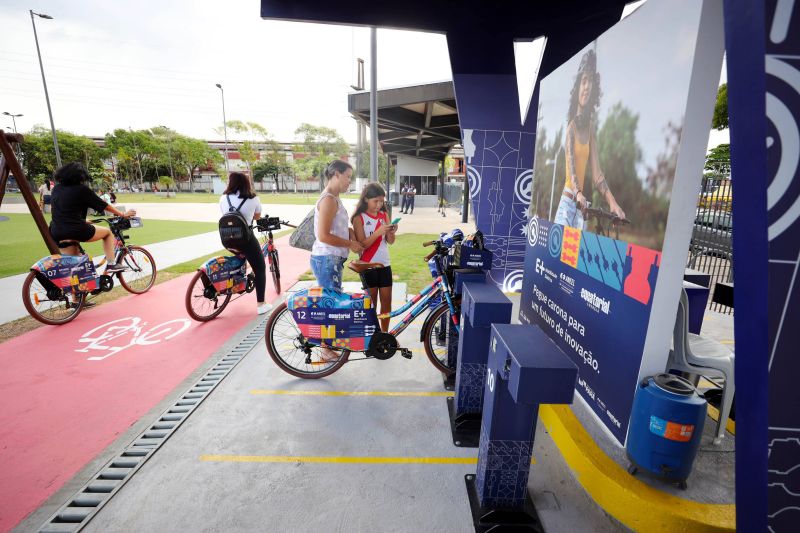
x=395 y=221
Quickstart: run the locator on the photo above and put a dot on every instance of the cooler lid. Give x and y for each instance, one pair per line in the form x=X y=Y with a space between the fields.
x=674 y=384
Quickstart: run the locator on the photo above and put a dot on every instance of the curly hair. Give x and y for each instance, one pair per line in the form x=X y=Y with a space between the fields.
x=587 y=66
x=71 y=174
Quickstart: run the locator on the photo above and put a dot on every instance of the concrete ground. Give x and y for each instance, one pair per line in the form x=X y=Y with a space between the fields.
x=264 y=475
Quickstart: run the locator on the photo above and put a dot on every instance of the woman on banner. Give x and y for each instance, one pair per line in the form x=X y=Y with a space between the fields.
x=581 y=148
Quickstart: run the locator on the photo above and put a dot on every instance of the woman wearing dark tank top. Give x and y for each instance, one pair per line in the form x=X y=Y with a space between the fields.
x=70 y=201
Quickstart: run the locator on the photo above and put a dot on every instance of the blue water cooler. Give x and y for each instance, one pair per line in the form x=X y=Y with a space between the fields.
x=665 y=428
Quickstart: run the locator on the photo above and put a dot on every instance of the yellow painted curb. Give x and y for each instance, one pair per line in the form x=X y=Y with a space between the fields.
x=632 y=502
x=713 y=414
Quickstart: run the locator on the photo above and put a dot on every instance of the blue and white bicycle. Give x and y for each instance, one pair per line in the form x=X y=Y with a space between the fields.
x=314 y=332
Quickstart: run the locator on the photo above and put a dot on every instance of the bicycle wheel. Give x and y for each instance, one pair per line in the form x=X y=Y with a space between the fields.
x=275 y=269
x=435 y=340
x=203 y=302
x=52 y=307
x=140 y=270
x=284 y=344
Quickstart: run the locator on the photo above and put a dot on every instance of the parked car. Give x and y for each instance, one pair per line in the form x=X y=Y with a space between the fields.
x=712 y=234
x=719 y=198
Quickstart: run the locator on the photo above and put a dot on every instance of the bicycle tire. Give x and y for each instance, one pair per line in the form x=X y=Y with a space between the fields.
x=282 y=317
x=137 y=284
x=438 y=358
x=198 y=284
x=274 y=268
x=31 y=304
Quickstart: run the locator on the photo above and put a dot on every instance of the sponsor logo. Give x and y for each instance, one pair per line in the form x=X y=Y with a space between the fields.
x=543 y=271
x=554 y=239
x=533 y=231
x=339 y=316
x=566 y=282
x=318 y=314
x=595 y=302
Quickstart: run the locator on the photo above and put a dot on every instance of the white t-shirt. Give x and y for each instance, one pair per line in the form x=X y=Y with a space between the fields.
x=250 y=207
x=378 y=251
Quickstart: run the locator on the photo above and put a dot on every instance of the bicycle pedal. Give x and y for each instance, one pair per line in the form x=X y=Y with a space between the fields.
x=405 y=352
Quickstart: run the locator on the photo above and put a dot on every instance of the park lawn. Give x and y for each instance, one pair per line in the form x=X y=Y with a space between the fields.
x=210 y=198
x=21 y=244
x=407 y=254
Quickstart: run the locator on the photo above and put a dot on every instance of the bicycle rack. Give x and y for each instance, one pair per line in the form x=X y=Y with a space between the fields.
x=82 y=506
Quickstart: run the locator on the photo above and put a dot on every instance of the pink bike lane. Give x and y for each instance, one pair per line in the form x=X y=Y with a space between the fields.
x=71 y=390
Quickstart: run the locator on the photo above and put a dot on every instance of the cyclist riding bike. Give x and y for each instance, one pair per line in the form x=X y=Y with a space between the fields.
x=70 y=200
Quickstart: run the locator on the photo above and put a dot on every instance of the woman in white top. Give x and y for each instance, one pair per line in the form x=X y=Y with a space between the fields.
x=373 y=231
x=331 y=228
x=240 y=195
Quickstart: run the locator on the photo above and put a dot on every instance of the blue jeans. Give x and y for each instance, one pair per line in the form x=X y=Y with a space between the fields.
x=328 y=270
x=568 y=214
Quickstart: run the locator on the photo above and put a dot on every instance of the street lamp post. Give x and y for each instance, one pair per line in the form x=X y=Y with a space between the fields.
x=224 y=127
x=44 y=82
x=13 y=119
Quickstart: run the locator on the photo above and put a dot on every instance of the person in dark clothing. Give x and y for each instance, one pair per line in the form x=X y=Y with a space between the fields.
x=240 y=194
x=70 y=200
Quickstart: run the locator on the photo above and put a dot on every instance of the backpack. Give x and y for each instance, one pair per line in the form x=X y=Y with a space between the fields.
x=234 y=231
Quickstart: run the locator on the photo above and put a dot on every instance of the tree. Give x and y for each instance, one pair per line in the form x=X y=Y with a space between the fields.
x=718 y=160
x=383 y=162
x=254 y=137
x=39 y=159
x=133 y=150
x=166 y=182
x=190 y=154
x=720 y=120
x=320 y=145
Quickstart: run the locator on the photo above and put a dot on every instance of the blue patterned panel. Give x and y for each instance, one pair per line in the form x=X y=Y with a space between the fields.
x=503 y=468
x=469 y=386
x=602 y=258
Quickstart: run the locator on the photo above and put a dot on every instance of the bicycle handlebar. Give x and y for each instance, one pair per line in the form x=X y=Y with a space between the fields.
x=429 y=243
x=430 y=255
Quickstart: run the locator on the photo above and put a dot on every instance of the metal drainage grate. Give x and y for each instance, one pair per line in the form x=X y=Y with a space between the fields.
x=84 y=504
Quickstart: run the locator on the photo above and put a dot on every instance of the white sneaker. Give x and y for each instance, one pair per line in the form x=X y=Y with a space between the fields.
x=264 y=308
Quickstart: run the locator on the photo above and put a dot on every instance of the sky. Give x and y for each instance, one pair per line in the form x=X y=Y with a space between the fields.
x=110 y=65
x=137 y=65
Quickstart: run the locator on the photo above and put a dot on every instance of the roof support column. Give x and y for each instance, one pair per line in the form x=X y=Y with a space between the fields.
x=373 y=104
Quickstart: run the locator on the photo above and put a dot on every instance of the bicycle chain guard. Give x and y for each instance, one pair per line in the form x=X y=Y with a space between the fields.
x=106 y=283
x=382 y=346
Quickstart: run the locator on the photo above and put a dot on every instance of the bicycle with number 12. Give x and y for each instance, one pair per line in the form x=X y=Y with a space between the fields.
x=314 y=332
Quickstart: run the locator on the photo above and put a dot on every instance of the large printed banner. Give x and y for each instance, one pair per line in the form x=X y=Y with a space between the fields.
x=621 y=135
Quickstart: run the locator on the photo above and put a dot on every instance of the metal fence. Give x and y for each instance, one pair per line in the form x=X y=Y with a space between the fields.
x=711 y=247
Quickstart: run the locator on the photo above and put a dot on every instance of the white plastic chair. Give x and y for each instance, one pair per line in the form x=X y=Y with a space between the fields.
x=706 y=357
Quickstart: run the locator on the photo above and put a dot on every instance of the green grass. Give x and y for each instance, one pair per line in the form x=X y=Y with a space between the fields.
x=210 y=198
x=407 y=255
x=21 y=244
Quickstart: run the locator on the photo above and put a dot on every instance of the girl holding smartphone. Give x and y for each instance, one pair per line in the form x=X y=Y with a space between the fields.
x=374 y=232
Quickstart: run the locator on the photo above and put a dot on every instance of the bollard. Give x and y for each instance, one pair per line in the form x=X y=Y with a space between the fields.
x=460 y=275
x=525 y=369
x=482 y=304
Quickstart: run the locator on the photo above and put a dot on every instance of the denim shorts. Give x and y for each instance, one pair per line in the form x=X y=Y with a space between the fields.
x=568 y=214
x=328 y=270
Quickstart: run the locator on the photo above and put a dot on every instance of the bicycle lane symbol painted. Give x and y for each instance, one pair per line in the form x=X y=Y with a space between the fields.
x=118 y=335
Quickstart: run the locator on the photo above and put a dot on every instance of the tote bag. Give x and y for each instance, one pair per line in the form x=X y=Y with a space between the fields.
x=303 y=237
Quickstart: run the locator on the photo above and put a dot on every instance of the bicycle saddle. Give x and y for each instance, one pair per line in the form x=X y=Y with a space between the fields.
x=360 y=266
